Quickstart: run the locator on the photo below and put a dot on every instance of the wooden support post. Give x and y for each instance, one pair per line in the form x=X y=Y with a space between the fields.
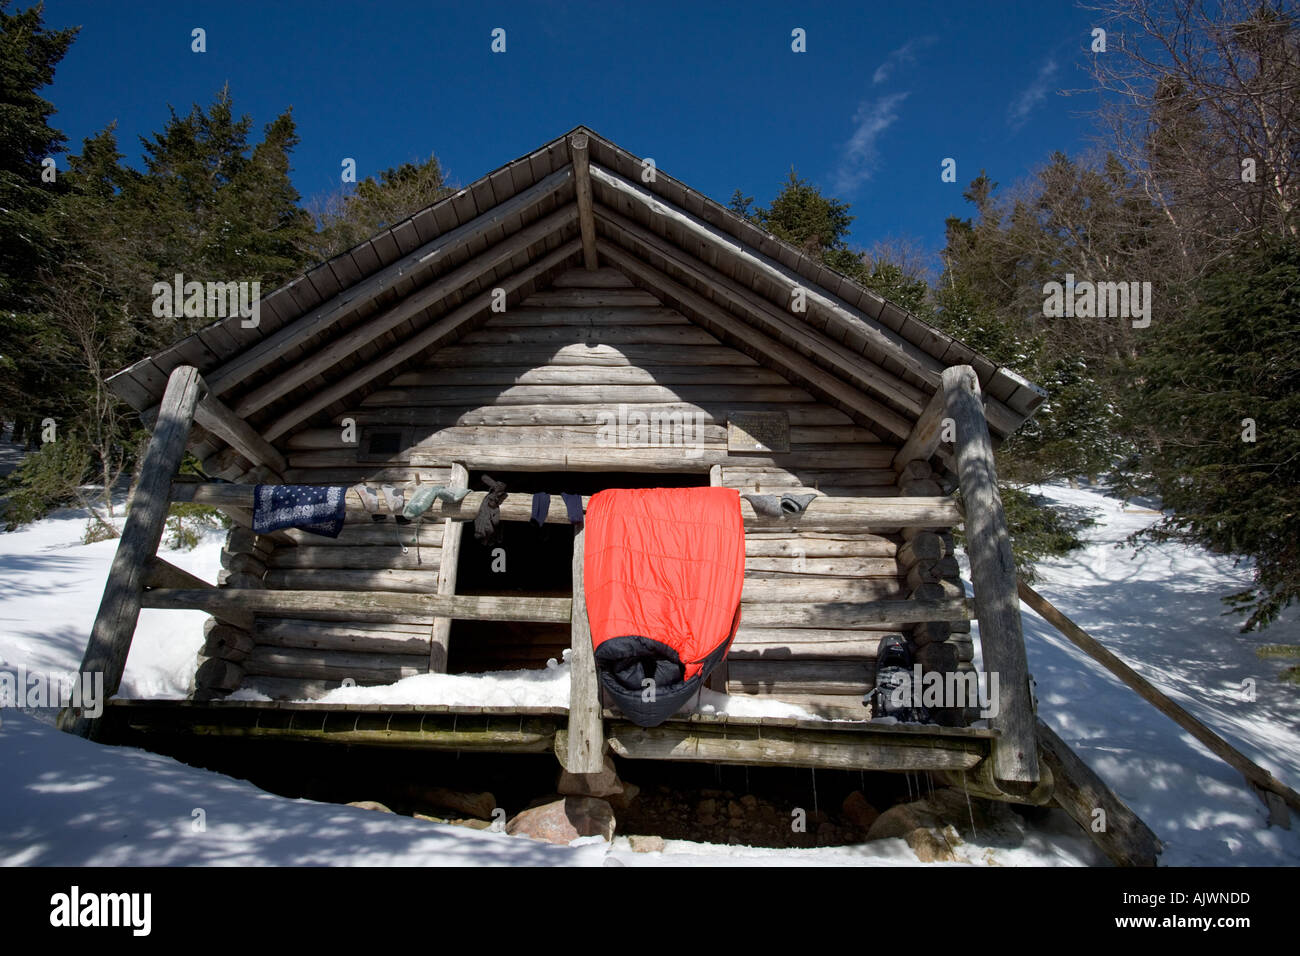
x=718 y=679
x=586 y=210
x=1081 y=793
x=924 y=440
x=993 y=576
x=214 y=415
x=119 y=609
x=440 y=638
x=1259 y=778
x=585 y=749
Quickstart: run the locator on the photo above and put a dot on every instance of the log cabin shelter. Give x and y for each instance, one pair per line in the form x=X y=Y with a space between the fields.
x=578 y=320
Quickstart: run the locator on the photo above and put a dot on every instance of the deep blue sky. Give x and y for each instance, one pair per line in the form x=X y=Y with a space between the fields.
x=712 y=92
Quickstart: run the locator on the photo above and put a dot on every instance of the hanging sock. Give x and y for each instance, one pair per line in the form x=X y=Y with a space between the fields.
x=541 y=506
x=451 y=496
x=421 y=501
x=766 y=506
x=770 y=506
x=573 y=506
x=369 y=501
x=426 y=495
x=795 y=504
x=393 y=500
x=487 y=523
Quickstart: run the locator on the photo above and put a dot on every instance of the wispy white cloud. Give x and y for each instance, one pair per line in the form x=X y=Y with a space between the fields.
x=860 y=154
x=1032 y=95
x=904 y=54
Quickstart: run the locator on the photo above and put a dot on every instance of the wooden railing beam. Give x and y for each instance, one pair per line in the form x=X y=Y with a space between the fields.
x=586 y=208
x=993 y=577
x=119 y=608
x=585 y=747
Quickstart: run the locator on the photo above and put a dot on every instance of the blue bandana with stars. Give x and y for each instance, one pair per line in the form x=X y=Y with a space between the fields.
x=319 y=509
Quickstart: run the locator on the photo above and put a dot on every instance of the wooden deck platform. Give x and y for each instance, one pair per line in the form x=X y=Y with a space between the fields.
x=709 y=738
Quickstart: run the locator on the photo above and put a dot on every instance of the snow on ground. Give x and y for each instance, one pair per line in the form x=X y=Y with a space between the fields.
x=68 y=801
x=1160 y=612
x=540 y=687
x=51 y=591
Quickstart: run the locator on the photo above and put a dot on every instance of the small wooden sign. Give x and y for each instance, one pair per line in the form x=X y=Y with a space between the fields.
x=758 y=431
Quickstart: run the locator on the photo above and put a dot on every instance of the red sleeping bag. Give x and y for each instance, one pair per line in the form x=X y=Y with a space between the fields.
x=663 y=573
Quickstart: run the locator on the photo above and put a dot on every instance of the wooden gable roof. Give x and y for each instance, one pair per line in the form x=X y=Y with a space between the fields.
x=347 y=326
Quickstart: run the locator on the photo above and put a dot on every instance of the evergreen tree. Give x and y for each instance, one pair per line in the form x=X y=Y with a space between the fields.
x=346 y=219
x=29 y=54
x=213 y=207
x=803 y=217
x=1223 y=397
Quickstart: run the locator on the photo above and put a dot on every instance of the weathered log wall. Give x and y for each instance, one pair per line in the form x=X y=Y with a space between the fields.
x=572 y=380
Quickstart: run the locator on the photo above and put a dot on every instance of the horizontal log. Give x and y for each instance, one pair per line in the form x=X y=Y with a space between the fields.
x=674 y=336
x=799 y=415
x=850 y=614
x=160 y=573
x=842 y=491
x=326 y=447
x=605 y=395
x=605 y=278
x=384 y=533
x=524 y=317
x=361 y=557
x=801 y=677
x=823 y=514
x=861 y=650
x=418 y=581
x=686 y=458
x=461 y=356
x=332 y=665
x=755 y=479
x=370 y=474
x=791 y=636
x=591 y=299
x=800 y=589
x=762 y=545
x=584 y=375
x=460 y=607
x=327 y=636
x=758 y=746
x=843 y=567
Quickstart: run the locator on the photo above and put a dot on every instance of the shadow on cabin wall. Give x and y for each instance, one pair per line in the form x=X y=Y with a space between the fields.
x=533 y=562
